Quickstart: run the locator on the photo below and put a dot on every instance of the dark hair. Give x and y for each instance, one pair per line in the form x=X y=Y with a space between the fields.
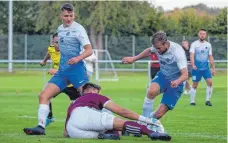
x=159 y=36
x=203 y=30
x=67 y=6
x=91 y=85
x=55 y=35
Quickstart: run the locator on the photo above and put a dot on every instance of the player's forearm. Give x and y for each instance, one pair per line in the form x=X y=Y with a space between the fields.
x=88 y=52
x=47 y=56
x=192 y=60
x=184 y=75
x=143 y=54
x=211 y=59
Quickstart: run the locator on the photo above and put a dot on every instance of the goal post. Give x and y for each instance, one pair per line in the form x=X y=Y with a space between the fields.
x=105 y=69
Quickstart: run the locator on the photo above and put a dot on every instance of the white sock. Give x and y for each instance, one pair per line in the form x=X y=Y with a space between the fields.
x=147 y=107
x=192 y=95
x=209 y=90
x=42 y=114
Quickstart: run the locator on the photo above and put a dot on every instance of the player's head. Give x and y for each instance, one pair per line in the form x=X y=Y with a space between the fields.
x=55 y=41
x=90 y=88
x=160 y=42
x=67 y=14
x=185 y=44
x=202 y=34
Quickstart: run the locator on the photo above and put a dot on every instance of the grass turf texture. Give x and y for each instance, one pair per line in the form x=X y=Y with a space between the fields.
x=186 y=124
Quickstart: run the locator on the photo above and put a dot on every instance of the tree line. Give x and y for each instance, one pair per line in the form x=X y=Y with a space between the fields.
x=119 y=18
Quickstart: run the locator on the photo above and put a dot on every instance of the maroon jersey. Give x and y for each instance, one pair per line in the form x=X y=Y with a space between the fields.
x=154 y=57
x=92 y=100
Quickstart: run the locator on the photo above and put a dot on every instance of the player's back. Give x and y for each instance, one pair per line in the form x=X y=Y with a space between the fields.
x=92 y=100
x=72 y=39
x=55 y=56
x=201 y=52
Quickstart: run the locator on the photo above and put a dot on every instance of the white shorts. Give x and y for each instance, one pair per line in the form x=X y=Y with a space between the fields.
x=86 y=122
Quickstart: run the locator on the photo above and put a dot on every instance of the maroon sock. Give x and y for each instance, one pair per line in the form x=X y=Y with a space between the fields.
x=135 y=128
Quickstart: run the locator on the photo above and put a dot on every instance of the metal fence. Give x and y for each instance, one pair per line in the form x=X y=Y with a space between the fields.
x=29 y=50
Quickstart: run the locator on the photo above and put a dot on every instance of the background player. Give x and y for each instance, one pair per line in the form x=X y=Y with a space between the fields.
x=169 y=80
x=200 y=53
x=185 y=46
x=88 y=107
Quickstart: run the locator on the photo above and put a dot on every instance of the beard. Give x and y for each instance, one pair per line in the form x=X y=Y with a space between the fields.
x=202 y=39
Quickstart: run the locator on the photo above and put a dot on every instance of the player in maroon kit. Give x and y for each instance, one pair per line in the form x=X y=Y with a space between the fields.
x=85 y=119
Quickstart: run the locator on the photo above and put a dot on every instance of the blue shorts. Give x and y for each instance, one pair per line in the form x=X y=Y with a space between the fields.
x=76 y=75
x=170 y=95
x=198 y=74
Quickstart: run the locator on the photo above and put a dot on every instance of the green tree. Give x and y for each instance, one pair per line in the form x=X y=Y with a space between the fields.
x=220 y=24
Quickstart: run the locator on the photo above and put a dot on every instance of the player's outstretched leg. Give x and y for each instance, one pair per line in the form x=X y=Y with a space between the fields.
x=135 y=128
x=38 y=130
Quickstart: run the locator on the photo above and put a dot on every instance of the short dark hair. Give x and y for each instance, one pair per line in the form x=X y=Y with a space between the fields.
x=91 y=85
x=54 y=35
x=159 y=36
x=202 y=29
x=67 y=6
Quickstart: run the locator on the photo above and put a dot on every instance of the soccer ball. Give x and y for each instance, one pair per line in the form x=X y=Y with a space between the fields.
x=155 y=128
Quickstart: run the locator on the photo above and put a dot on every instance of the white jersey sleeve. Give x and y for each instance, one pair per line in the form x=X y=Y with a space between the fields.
x=210 y=49
x=83 y=37
x=181 y=58
x=192 y=48
x=92 y=58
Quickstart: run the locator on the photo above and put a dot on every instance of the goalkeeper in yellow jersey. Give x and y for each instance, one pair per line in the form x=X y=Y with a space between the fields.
x=53 y=53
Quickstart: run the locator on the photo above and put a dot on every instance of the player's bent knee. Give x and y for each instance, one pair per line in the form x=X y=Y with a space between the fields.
x=151 y=93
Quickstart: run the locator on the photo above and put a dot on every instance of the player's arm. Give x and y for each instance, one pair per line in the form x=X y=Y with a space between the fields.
x=128 y=113
x=182 y=65
x=192 y=56
x=46 y=57
x=143 y=54
x=211 y=60
x=84 y=41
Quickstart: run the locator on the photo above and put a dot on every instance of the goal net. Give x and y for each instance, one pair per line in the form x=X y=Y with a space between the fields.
x=104 y=67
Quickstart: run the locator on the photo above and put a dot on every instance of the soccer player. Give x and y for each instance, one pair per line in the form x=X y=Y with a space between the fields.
x=89 y=61
x=72 y=38
x=53 y=53
x=169 y=80
x=185 y=46
x=155 y=67
x=200 y=53
x=85 y=119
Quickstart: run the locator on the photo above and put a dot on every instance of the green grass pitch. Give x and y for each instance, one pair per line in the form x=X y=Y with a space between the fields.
x=186 y=124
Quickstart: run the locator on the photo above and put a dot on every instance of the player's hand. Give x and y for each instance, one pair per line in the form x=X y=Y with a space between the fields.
x=128 y=60
x=175 y=83
x=52 y=71
x=73 y=60
x=42 y=63
x=194 y=67
x=213 y=72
